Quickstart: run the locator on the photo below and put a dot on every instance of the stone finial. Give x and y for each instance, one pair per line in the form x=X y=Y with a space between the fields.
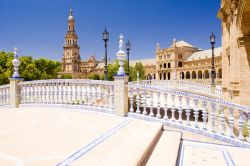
x=158 y=46
x=16 y=64
x=121 y=56
x=174 y=42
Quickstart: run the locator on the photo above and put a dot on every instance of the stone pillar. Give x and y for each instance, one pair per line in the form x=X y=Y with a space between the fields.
x=121 y=95
x=15 y=98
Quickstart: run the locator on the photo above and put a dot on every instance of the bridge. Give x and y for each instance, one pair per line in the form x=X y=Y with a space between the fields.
x=120 y=123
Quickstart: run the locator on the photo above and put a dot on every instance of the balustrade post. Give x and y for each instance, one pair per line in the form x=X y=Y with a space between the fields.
x=107 y=97
x=166 y=106
x=51 y=93
x=90 y=95
x=248 y=126
x=96 y=96
x=144 y=102
x=222 y=120
x=15 y=92
x=57 y=92
x=138 y=101
x=196 y=113
x=85 y=94
x=151 y=103
x=80 y=93
x=213 y=116
x=180 y=109
x=188 y=110
x=231 y=122
x=158 y=115
x=112 y=97
x=173 y=107
x=204 y=115
x=131 y=100
x=240 y=124
x=121 y=95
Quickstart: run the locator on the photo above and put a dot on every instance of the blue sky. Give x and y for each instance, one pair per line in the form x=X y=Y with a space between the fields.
x=37 y=27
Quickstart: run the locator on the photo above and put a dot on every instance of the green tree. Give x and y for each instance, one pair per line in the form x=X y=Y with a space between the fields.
x=94 y=76
x=29 y=69
x=133 y=72
x=66 y=76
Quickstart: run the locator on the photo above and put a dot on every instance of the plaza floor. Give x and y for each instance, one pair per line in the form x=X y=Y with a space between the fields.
x=59 y=136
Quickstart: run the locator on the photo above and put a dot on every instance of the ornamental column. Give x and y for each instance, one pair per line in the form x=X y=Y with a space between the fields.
x=14 y=80
x=121 y=84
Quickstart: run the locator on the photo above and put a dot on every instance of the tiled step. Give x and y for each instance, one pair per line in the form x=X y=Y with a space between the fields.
x=127 y=147
x=166 y=150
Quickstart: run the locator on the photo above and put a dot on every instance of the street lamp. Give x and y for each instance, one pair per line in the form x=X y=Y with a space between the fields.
x=128 y=46
x=212 y=41
x=105 y=39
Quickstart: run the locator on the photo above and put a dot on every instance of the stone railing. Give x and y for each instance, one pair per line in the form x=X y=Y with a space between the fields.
x=89 y=94
x=4 y=95
x=187 y=86
x=200 y=114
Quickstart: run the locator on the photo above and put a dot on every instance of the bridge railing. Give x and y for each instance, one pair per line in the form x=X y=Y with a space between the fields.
x=186 y=86
x=5 y=95
x=88 y=93
x=200 y=114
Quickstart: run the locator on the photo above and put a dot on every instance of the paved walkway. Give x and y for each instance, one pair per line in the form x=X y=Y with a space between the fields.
x=49 y=136
x=57 y=136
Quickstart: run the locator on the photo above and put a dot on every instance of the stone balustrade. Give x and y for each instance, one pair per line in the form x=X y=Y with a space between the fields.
x=88 y=93
x=4 y=95
x=208 y=116
x=187 y=86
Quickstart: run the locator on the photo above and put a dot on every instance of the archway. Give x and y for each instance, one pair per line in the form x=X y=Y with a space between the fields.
x=199 y=74
x=220 y=73
x=169 y=65
x=180 y=64
x=206 y=73
x=182 y=76
x=168 y=75
x=160 y=76
x=193 y=75
x=164 y=76
x=187 y=75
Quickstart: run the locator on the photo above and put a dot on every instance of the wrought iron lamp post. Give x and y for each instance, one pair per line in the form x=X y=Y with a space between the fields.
x=105 y=39
x=212 y=41
x=128 y=46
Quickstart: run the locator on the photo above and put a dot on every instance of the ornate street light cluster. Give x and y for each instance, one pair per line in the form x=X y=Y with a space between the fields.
x=120 y=54
x=212 y=41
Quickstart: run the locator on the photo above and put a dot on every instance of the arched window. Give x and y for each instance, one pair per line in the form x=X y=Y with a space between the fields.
x=182 y=76
x=160 y=76
x=164 y=76
x=188 y=75
x=206 y=73
x=199 y=74
x=169 y=76
x=169 y=65
x=165 y=65
x=220 y=73
x=180 y=64
x=193 y=75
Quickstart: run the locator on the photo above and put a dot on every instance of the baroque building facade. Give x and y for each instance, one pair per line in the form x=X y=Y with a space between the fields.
x=235 y=17
x=183 y=61
x=71 y=60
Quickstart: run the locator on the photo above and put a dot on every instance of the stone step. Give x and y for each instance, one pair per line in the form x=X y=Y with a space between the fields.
x=128 y=146
x=166 y=149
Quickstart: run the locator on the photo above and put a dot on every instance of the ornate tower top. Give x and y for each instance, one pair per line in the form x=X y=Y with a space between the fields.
x=71 y=18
